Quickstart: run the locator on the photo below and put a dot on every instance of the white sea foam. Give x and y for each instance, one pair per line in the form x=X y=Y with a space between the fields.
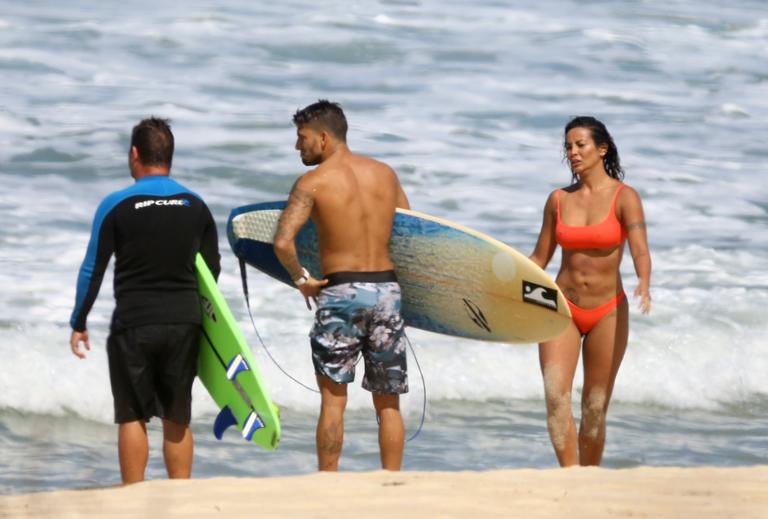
x=699 y=348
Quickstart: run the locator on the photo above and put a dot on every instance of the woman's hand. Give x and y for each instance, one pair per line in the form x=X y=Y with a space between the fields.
x=643 y=292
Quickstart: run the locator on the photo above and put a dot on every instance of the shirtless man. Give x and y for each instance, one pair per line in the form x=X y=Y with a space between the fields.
x=352 y=201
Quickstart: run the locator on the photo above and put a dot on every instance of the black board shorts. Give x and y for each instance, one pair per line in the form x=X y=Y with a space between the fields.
x=152 y=369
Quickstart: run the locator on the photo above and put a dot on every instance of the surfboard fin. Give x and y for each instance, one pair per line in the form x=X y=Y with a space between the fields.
x=223 y=421
x=226 y=419
x=235 y=366
x=252 y=424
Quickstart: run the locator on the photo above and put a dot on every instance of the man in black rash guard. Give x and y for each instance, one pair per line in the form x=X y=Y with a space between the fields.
x=155 y=228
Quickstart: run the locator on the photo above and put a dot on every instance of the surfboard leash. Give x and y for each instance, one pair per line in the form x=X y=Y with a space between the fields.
x=244 y=279
x=423 y=387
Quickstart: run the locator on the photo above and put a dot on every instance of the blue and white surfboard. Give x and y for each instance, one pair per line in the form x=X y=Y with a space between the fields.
x=455 y=280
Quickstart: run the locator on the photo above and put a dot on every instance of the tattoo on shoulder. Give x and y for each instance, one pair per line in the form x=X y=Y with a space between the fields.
x=301 y=197
x=637 y=225
x=296 y=212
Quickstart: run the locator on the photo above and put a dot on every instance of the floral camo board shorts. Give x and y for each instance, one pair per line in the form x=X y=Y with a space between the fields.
x=360 y=317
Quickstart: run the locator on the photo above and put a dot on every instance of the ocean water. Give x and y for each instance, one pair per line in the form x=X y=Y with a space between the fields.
x=466 y=100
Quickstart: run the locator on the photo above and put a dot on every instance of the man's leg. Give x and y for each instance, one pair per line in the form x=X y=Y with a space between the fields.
x=178 y=365
x=133 y=451
x=178 y=446
x=330 y=425
x=391 y=430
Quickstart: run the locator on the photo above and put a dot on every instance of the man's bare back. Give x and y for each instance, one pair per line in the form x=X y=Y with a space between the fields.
x=352 y=200
x=354 y=206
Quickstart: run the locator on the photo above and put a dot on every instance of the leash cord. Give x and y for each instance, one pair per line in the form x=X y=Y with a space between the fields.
x=299 y=382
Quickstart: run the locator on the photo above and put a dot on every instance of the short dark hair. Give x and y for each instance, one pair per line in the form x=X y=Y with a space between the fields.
x=323 y=115
x=601 y=137
x=153 y=139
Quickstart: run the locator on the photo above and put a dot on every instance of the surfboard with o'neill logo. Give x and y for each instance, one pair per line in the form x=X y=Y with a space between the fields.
x=455 y=280
x=228 y=371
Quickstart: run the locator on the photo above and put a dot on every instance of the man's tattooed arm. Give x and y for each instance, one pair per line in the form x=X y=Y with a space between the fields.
x=295 y=215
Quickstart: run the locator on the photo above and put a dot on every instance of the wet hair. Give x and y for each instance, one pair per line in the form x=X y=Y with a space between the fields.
x=153 y=139
x=323 y=115
x=602 y=138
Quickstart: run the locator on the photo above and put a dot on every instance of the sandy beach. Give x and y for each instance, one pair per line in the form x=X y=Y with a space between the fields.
x=575 y=493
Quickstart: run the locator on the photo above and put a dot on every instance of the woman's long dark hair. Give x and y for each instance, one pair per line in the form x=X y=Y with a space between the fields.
x=602 y=138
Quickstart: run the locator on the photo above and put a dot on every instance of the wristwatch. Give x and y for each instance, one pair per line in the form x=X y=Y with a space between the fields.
x=303 y=278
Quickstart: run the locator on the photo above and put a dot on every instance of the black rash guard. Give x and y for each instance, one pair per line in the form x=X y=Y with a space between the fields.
x=155 y=229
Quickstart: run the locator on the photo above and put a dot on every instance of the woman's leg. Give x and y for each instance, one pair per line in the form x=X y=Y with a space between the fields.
x=558 y=359
x=604 y=348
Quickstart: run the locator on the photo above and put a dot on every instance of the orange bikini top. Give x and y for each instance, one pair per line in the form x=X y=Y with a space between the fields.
x=604 y=235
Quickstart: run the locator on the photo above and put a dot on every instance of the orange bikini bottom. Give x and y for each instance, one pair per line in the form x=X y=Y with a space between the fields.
x=586 y=319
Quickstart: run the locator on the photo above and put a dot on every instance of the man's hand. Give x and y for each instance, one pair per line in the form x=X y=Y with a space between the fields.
x=76 y=339
x=311 y=288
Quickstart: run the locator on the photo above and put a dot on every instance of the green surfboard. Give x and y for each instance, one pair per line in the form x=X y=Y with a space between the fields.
x=228 y=371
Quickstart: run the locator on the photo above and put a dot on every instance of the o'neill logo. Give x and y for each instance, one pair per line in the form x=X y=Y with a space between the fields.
x=148 y=203
x=208 y=308
x=476 y=314
x=539 y=295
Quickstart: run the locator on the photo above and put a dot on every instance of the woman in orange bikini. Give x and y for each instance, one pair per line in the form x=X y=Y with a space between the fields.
x=590 y=220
